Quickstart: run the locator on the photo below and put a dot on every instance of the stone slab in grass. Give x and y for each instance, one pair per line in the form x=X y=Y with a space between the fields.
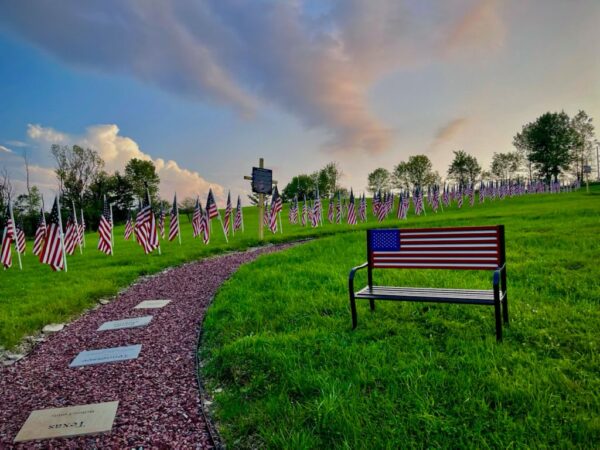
x=132 y=322
x=151 y=304
x=106 y=355
x=70 y=421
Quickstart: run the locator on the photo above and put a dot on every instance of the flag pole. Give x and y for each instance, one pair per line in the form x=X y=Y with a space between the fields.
x=83 y=230
x=178 y=225
x=15 y=237
x=242 y=214
x=222 y=226
x=62 y=238
x=76 y=225
x=112 y=233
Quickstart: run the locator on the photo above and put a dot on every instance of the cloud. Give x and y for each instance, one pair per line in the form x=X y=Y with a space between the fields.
x=318 y=66
x=48 y=135
x=17 y=143
x=117 y=150
x=5 y=150
x=480 y=30
x=448 y=131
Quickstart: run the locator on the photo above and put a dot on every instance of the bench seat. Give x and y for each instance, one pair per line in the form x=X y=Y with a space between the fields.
x=419 y=294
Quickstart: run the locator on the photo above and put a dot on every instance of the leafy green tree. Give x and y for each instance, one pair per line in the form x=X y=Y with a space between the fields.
x=300 y=185
x=140 y=172
x=464 y=168
x=329 y=179
x=379 y=180
x=505 y=165
x=76 y=168
x=416 y=172
x=581 y=152
x=547 y=143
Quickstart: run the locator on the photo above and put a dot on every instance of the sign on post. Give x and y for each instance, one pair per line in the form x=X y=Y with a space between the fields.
x=262 y=180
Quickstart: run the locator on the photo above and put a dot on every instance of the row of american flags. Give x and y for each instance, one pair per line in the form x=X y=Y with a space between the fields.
x=52 y=245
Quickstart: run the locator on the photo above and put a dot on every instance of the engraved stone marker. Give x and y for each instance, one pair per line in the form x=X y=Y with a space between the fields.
x=70 y=421
x=148 y=304
x=106 y=355
x=125 y=323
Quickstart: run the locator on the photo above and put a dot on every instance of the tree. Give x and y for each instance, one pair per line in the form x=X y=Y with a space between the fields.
x=6 y=190
x=186 y=206
x=547 y=143
x=300 y=185
x=379 y=180
x=76 y=169
x=417 y=172
x=329 y=177
x=505 y=165
x=141 y=173
x=464 y=168
x=581 y=152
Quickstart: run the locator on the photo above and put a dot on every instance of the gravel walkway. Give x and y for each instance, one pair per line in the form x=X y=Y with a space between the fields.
x=159 y=403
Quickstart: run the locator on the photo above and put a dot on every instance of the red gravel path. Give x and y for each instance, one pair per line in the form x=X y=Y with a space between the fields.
x=159 y=403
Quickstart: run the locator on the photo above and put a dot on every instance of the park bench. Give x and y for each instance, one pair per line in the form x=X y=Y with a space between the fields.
x=464 y=248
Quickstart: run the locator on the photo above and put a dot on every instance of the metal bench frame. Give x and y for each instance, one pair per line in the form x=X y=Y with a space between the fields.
x=496 y=297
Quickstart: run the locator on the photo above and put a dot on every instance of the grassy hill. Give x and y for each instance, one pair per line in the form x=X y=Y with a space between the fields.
x=287 y=371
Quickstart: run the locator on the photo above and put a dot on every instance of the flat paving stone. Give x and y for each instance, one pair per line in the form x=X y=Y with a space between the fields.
x=106 y=355
x=70 y=421
x=151 y=304
x=133 y=322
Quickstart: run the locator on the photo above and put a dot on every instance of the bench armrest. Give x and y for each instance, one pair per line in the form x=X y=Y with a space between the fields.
x=356 y=269
x=497 y=274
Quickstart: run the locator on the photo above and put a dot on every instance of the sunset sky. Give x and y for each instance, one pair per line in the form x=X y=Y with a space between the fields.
x=205 y=87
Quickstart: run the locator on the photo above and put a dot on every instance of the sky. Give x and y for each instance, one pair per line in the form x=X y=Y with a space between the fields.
x=206 y=87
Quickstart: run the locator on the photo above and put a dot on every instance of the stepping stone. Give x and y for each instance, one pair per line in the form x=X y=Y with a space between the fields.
x=53 y=328
x=106 y=355
x=70 y=421
x=150 y=304
x=134 y=322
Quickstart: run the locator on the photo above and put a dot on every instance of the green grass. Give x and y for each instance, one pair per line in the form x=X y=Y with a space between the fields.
x=36 y=296
x=290 y=372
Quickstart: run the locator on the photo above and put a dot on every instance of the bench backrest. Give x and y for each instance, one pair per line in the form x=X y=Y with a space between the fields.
x=469 y=248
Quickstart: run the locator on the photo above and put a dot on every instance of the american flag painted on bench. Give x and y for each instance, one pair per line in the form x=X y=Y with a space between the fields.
x=476 y=248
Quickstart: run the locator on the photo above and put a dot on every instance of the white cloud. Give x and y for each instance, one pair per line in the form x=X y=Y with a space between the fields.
x=4 y=149
x=117 y=150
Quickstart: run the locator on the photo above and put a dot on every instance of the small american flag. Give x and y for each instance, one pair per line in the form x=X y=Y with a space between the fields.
x=71 y=234
x=211 y=205
x=330 y=213
x=293 y=214
x=228 y=213
x=239 y=218
x=105 y=230
x=276 y=207
x=338 y=209
x=82 y=229
x=362 y=209
x=351 y=210
x=318 y=206
x=7 y=238
x=52 y=253
x=161 y=222
x=174 y=220
x=204 y=225
x=197 y=218
x=20 y=241
x=40 y=234
x=128 y=226
x=304 y=212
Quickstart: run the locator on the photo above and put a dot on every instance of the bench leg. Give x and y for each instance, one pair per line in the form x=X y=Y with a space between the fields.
x=372 y=304
x=353 y=310
x=505 y=300
x=498 y=313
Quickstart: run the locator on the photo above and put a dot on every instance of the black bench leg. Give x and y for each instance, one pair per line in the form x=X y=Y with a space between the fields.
x=497 y=311
x=372 y=304
x=353 y=310
x=505 y=299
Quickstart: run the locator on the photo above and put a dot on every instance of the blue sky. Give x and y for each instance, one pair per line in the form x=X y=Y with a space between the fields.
x=213 y=85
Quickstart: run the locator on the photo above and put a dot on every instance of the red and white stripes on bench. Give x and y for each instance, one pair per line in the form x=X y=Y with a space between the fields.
x=474 y=248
